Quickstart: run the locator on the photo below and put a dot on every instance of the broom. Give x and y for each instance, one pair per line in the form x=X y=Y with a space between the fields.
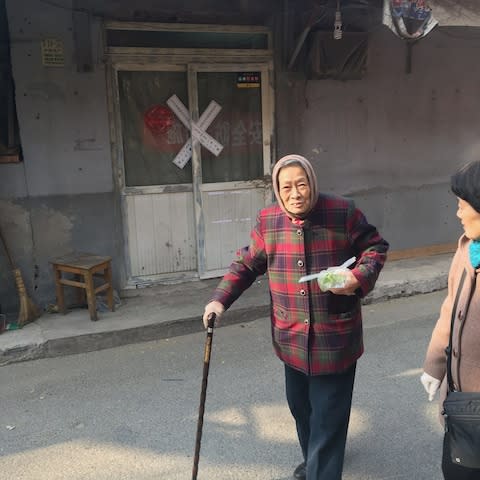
x=28 y=310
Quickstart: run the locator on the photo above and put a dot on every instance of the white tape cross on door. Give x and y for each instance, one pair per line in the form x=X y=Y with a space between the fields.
x=197 y=129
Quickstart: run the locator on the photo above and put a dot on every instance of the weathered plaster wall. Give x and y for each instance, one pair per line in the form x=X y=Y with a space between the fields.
x=62 y=114
x=392 y=140
x=38 y=229
x=60 y=198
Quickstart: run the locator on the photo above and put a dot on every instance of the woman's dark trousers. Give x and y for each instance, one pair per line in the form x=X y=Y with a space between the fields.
x=321 y=407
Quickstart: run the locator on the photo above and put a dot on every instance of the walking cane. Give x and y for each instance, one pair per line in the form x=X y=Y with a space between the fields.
x=203 y=394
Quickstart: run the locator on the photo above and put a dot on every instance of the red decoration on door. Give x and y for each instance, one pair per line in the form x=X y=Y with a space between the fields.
x=158 y=119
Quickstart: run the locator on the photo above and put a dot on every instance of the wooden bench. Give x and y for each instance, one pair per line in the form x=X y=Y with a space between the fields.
x=84 y=267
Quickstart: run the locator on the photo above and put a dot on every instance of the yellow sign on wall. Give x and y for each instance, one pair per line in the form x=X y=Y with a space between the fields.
x=52 y=52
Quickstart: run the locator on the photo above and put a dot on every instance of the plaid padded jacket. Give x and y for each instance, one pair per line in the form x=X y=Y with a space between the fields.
x=314 y=332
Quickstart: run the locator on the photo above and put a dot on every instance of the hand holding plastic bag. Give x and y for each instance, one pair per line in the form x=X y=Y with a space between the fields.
x=333 y=277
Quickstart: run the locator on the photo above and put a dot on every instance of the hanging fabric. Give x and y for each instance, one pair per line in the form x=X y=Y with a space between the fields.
x=408 y=19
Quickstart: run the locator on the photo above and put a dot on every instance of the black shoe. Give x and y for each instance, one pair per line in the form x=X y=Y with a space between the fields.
x=300 y=473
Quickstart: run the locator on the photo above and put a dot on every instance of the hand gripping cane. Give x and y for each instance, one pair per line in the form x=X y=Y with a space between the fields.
x=201 y=408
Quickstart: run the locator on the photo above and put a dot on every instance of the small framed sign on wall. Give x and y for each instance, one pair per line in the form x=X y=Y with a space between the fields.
x=248 y=80
x=52 y=52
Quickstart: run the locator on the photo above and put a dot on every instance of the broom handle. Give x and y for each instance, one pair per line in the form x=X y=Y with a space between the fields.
x=6 y=250
x=19 y=282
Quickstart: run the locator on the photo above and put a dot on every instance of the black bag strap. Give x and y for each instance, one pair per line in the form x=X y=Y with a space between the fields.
x=452 y=321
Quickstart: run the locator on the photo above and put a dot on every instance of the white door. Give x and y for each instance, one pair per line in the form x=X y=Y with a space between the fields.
x=232 y=186
x=187 y=218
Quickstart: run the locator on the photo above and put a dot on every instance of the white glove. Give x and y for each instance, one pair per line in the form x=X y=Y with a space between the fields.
x=430 y=384
x=213 y=307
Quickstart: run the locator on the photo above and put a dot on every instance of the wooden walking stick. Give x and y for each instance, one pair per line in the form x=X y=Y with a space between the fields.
x=28 y=310
x=203 y=394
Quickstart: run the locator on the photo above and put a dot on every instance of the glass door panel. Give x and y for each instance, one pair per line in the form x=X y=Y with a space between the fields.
x=232 y=189
x=152 y=133
x=238 y=126
x=158 y=199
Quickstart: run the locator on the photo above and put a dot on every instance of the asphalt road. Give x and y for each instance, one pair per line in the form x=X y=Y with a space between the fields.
x=131 y=412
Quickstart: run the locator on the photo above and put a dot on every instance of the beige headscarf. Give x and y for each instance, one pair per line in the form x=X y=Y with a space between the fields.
x=312 y=179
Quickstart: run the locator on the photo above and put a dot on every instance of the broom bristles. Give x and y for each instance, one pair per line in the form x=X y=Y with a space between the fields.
x=28 y=310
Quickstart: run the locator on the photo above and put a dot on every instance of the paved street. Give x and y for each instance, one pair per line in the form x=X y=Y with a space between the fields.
x=131 y=412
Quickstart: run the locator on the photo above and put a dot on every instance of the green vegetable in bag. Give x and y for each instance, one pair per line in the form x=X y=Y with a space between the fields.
x=331 y=278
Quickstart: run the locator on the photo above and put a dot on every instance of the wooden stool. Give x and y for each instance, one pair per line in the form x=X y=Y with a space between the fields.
x=84 y=266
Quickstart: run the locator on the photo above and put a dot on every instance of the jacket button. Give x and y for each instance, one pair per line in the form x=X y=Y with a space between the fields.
x=460 y=316
x=302 y=292
x=455 y=352
x=306 y=321
x=300 y=263
x=299 y=232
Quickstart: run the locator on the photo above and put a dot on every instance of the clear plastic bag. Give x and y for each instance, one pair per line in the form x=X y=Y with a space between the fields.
x=332 y=278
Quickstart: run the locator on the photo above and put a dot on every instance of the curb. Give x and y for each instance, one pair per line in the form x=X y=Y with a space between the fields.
x=391 y=290
x=102 y=340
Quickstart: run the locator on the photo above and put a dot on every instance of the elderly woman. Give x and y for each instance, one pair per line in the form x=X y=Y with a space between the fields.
x=465 y=349
x=316 y=334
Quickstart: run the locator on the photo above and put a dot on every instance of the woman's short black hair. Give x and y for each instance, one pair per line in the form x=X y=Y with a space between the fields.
x=465 y=184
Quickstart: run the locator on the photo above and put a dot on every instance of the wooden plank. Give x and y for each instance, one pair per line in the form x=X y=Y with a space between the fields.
x=156 y=189
x=10 y=158
x=422 y=251
x=131 y=234
x=192 y=83
x=185 y=27
x=210 y=52
x=134 y=66
x=182 y=232
x=145 y=233
x=268 y=110
x=101 y=288
x=72 y=283
x=79 y=261
x=184 y=57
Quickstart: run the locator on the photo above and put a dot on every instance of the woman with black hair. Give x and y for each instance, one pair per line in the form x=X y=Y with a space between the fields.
x=463 y=297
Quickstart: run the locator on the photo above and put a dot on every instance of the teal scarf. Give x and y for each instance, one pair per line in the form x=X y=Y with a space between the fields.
x=474 y=250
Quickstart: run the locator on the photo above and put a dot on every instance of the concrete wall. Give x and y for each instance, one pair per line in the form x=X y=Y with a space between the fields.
x=60 y=198
x=392 y=140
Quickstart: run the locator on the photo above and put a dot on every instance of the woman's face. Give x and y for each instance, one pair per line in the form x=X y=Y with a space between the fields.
x=294 y=189
x=470 y=219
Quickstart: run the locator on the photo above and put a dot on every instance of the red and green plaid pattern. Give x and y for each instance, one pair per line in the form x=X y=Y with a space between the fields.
x=314 y=332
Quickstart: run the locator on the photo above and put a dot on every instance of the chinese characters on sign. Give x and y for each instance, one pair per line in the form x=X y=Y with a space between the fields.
x=248 y=80
x=239 y=133
x=171 y=130
x=52 y=52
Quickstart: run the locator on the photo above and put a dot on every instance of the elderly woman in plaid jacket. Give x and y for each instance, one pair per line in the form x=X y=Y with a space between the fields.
x=317 y=335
